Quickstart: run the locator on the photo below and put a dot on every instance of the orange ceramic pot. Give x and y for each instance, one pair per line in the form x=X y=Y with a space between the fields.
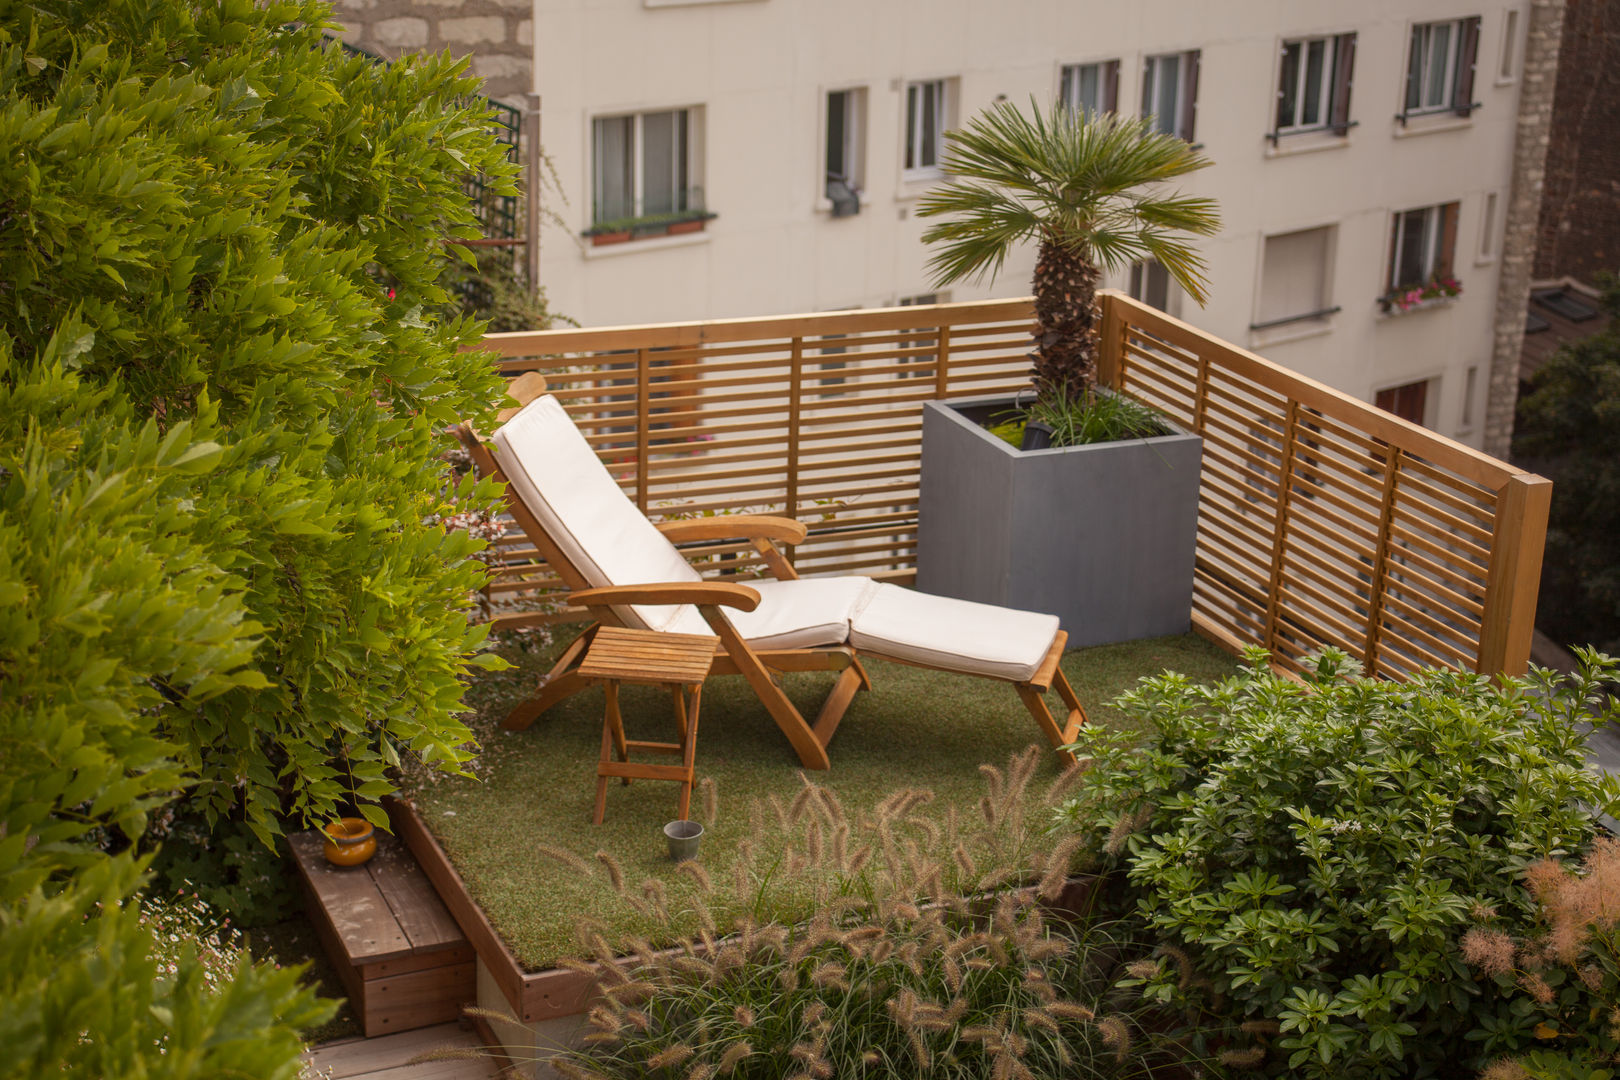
x=350 y=841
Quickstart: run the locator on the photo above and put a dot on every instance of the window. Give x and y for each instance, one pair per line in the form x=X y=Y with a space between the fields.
x=1466 y=421
x=1440 y=68
x=928 y=107
x=846 y=138
x=1170 y=92
x=1313 y=85
x=1409 y=402
x=1294 y=278
x=1090 y=88
x=922 y=366
x=1487 y=230
x=645 y=165
x=1150 y=283
x=1508 y=65
x=1421 y=246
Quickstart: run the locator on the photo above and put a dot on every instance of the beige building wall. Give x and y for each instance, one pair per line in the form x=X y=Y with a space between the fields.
x=757 y=73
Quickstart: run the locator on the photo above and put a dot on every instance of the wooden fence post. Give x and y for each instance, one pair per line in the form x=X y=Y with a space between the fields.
x=643 y=425
x=795 y=420
x=1110 y=361
x=1285 y=487
x=1515 y=575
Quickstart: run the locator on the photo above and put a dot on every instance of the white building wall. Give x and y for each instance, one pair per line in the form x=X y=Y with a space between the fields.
x=760 y=70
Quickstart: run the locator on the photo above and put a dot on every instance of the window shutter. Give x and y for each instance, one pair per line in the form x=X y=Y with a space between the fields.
x=1110 y=91
x=1148 y=74
x=1392 y=279
x=1444 y=261
x=1189 y=97
x=1462 y=99
x=1066 y=86
x=1344 y=69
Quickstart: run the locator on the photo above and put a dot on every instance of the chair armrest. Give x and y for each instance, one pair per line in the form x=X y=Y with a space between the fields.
x=735 y=526
x=700 y=593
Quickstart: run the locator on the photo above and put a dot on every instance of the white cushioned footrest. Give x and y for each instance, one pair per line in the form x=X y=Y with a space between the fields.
x=956 y=635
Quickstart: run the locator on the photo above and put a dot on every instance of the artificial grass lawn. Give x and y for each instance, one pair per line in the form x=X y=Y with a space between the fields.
x=914 y=729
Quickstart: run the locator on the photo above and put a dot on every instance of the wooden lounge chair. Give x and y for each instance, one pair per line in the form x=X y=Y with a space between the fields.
x=627 y=572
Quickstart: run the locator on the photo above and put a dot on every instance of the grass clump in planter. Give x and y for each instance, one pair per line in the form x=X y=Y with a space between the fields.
x=910 y=966
x=1321 y=850
x=1093 y=417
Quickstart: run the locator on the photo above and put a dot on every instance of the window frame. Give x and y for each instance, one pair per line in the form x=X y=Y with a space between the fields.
x=1459 y=76
x=855 y=124
x=1489 y=228
x=1320 y=317
x=1188 y=63
x=687 y=149
x=914 y=138
x=1508 y=58
x=1440 y=251
x=1137 y=281
x=1337 y=89
x=1107 y=84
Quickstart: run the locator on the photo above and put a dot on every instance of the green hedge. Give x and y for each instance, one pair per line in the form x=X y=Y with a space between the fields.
x=220 y=563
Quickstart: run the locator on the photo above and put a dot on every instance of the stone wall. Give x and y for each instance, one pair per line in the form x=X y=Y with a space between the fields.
x=499 y=34
x=1579 y=232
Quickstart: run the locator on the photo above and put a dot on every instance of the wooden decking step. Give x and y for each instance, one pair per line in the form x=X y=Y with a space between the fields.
x=388 y=1058
x=402 y=958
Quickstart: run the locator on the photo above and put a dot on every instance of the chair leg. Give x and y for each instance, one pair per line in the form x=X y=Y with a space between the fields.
x=1077 y=717
x=559 y=683
x=1035 y=702
x=850 y=680
x=689 y=751
x=615 y=722
x=812 y=752
x=601 y=778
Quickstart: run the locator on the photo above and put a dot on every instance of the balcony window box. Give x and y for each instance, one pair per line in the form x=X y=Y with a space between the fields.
x=642 y=228
x=1436 y=292
x=1102 y=536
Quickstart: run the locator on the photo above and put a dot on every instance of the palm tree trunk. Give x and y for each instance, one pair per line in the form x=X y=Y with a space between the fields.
x=1068 y=322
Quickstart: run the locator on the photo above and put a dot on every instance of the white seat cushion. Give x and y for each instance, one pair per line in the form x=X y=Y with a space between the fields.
x=565 y=485
x=956 y=635
x=798 y=614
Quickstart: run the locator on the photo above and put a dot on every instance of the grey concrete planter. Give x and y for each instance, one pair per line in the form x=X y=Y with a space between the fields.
x=1101 y=536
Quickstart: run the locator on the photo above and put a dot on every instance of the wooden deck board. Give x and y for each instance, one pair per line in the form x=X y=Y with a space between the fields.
x=387 y=1058
x=421 y=915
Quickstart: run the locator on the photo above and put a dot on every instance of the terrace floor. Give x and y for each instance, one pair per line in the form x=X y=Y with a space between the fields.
x=914 y=730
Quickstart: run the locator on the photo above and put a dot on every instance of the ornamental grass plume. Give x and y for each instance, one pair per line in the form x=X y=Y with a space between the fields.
x=911 y=964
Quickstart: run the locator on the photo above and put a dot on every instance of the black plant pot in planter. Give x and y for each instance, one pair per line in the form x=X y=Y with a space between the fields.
x=1037 y=436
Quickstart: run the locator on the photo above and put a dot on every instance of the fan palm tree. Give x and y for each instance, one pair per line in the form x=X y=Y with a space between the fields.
x=1084 y=187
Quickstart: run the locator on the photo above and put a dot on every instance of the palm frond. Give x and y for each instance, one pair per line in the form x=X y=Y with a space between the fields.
x=1073 y=179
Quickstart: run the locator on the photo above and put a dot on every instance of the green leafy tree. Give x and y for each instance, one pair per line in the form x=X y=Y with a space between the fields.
x=1568 y=429
x=221 y=563
x=1085 y=188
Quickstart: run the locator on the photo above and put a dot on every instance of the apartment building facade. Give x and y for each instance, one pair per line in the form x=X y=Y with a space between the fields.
x=726 y=158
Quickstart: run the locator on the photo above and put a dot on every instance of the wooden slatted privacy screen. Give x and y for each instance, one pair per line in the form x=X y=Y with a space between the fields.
x=1322 y=520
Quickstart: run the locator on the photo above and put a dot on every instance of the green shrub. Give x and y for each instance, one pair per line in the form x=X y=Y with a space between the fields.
x=220 y=568
x=1320 y=849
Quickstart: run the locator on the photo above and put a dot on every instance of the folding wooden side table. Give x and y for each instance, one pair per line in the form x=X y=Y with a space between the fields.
x=648 y=658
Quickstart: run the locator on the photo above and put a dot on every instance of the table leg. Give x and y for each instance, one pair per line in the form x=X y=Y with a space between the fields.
x=601 y=779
